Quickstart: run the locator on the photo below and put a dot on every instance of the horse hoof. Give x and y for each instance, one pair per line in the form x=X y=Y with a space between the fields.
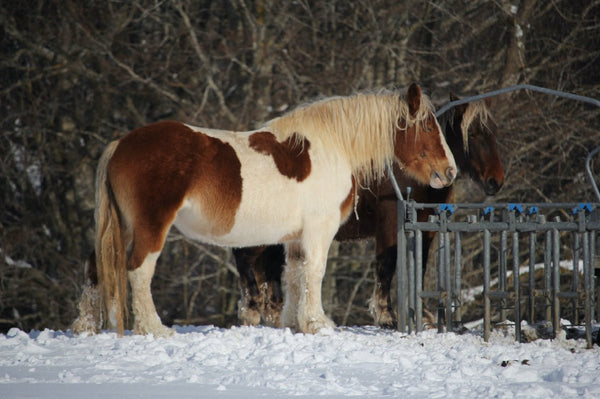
x=315 y=325
x=165 y=332
x=157 y=331
x=288 y=319
x=291 y=324
x=89 y=320
x=248 y=316
x=383 y=317
x=85 y=325
x=389 y=325
x=272 y=316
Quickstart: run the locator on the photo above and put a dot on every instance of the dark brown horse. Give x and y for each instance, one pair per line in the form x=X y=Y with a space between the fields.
x=470 y=133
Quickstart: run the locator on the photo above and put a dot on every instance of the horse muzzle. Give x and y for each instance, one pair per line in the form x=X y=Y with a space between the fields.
x=491 y=186
x=440 y=180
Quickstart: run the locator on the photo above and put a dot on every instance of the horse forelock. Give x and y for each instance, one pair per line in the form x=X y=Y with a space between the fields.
x=360 y=126
x=475 y=110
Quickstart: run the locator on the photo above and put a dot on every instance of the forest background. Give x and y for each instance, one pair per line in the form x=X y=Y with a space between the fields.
x=75 y=75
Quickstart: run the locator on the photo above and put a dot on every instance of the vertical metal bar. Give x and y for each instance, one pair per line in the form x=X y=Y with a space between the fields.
x=575 y=281
x=458 y=276
x=502 y=267
x=556 y=280
x=532 y=240
x=547 y=270
x=447 y=282
x=587 y=278
x=593 y=282
x=411 y=281
x=401 y=266
x=516 y=283
x=486 y=286
x=592 y=265
x=440 y=281
x=419 y=280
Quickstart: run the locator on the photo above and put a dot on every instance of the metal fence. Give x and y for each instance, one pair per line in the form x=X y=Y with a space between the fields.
x=515 y=239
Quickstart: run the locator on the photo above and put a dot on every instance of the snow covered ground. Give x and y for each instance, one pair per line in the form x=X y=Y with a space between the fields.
x=255 y=362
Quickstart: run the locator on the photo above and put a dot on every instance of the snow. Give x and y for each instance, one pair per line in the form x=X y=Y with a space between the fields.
x=256 y=362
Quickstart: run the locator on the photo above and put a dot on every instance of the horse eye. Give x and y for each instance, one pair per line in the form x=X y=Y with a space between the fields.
x=422 y=154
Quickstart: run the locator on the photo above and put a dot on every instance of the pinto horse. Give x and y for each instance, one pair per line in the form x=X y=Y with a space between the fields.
x=294 y=181
x=470 y=132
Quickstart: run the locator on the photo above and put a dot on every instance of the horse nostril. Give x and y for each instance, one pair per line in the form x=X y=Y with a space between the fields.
x=451 y=173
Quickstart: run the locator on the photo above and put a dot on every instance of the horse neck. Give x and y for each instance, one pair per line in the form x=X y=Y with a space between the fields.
x=360 y=128
x=454 y=138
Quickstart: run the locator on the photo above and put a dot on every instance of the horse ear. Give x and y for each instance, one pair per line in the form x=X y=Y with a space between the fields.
x=413 y=97
x=460 y=109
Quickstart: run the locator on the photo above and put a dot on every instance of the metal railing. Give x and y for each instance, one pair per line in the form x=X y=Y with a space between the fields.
x=517 y=234
x=513 y=239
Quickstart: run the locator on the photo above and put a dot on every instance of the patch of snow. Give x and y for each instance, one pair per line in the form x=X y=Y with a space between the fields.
x=16 y=263
x=253 y=362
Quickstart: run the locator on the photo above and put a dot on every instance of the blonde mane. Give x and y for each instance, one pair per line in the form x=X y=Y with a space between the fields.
x=360 y=127
x=474 y=109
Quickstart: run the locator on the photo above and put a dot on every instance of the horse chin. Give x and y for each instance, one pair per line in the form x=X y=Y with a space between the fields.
x=490 y=190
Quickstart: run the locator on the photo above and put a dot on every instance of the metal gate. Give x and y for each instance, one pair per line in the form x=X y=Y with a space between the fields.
x=515 y=238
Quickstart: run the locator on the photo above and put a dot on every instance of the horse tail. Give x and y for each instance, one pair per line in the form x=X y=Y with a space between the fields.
x=110 y=247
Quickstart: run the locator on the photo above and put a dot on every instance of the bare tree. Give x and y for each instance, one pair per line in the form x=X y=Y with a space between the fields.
x=74 y=75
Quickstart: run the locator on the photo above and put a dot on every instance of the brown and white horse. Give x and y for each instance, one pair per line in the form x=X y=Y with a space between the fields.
x=293 y=181
x=470 y=132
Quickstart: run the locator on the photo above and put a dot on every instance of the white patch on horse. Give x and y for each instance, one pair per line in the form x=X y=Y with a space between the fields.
x=436 y=182
x=146 y=319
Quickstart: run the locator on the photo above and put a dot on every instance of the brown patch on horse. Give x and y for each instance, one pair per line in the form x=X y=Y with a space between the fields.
x=348 y=202
x=290 y=156
x=291 y=237
x=155 y=167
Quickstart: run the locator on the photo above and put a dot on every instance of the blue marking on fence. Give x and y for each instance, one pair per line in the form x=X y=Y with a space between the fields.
x=585 y=206
x=447 y=207
x=515 y=207
x=582 y=206
x=533 y=210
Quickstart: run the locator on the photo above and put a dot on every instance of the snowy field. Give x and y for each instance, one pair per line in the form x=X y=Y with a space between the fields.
x=257 y=362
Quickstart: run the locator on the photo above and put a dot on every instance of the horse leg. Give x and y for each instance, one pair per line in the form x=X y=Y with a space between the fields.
x=294 y=259
x=251 y=297
x=147 y=244
x=315 y=241
x=146 y=320
x=385 y=265
x=272 y=261
x=426 y=245
x=380 y=304
x=90 y=304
